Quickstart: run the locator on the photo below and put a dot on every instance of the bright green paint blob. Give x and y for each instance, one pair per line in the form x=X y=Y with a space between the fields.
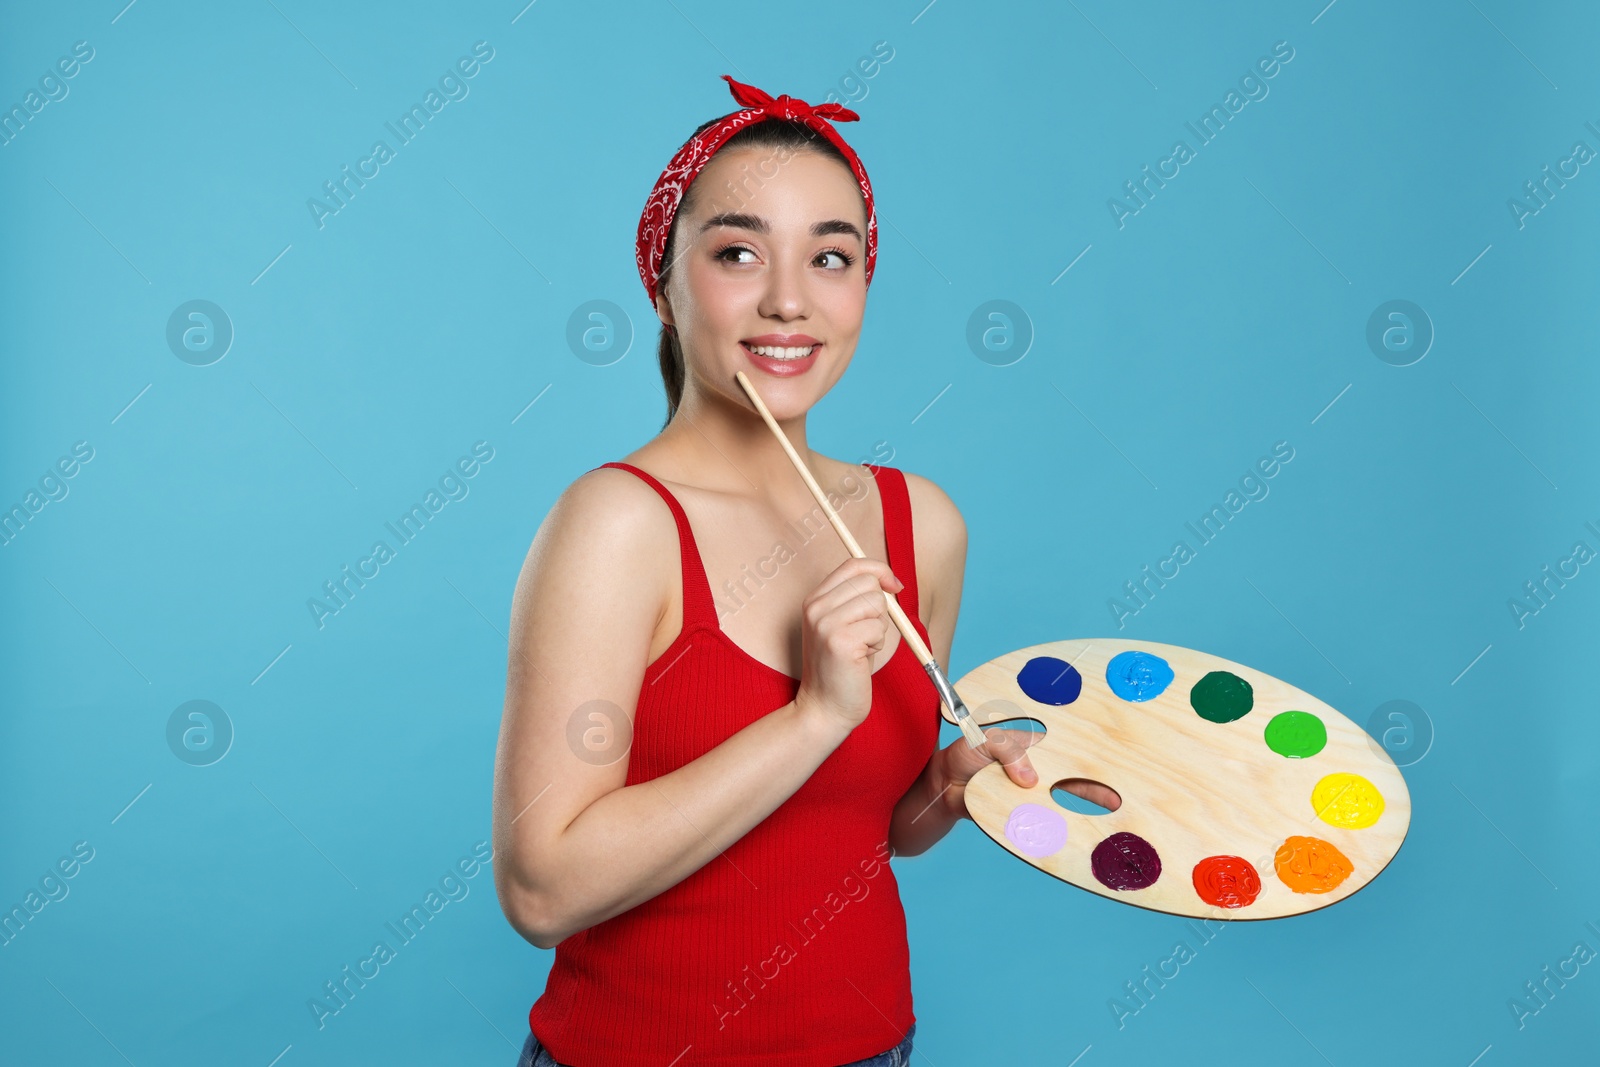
x=1296 y=734
x=1221 y=696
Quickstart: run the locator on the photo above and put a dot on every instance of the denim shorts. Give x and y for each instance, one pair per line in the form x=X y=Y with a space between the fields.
x=534 y=1054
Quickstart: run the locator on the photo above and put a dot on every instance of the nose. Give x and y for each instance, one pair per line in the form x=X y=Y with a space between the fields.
x=785 y=296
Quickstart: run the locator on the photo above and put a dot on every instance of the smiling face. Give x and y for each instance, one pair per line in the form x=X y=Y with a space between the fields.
x=768 y=276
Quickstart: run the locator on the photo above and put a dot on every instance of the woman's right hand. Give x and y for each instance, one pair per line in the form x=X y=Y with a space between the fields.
x=845 y=621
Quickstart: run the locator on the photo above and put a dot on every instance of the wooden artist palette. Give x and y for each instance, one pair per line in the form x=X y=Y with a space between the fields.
x=1243 y=797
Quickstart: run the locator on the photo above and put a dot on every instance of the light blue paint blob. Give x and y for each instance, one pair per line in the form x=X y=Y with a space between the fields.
x=1138 y=676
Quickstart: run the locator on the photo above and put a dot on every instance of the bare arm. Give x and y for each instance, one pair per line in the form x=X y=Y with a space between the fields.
x=574 y=845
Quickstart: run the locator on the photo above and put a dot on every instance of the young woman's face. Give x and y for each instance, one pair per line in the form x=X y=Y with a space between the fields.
x=768 y=276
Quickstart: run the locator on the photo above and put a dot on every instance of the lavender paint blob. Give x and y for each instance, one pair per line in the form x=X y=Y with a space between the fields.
x=1036 y=830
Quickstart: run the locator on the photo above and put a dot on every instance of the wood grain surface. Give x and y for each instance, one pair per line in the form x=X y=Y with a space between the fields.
x=1191 y=787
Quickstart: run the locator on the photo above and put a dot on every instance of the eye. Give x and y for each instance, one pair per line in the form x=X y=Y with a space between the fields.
x=840 y=254
x=721 y=253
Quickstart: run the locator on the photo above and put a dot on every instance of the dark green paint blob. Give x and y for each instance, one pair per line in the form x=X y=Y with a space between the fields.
x=1296 y=734
x=1221 y=697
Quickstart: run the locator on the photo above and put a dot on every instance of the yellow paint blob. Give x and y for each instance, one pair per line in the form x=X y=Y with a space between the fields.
x=1348 y=801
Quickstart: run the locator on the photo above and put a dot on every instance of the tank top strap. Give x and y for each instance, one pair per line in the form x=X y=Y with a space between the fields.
x=698 y=606
x=897 y=532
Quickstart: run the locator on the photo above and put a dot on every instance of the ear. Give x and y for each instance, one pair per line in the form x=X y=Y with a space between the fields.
x=663 y=309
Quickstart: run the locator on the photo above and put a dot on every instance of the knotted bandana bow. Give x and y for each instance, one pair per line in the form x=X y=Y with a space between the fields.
x=655 y=223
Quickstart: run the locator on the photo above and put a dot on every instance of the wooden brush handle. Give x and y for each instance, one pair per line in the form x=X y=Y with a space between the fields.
x=908 y=632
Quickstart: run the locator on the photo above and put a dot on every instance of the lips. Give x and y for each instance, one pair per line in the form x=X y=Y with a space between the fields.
x=783 y=357
x=780 y=351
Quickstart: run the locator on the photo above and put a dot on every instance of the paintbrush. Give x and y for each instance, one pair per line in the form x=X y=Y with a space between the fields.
x=947 y=692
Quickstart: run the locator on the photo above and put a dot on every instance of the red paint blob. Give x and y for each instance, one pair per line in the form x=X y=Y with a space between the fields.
x=1226 y=881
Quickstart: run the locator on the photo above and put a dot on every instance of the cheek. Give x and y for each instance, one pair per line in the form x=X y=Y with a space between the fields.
x=716 y=303
x=710 y=305
x=845 y=308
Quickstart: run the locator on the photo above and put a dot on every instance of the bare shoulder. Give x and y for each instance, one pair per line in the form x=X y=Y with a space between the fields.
x=940 y=536
x=608 y=527
x=609 y=504
x=937 y=524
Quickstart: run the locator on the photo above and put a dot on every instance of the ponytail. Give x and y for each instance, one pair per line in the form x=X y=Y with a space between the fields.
x=670 y=355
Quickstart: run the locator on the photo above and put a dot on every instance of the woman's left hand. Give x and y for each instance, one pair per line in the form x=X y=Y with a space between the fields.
x=1009 y=748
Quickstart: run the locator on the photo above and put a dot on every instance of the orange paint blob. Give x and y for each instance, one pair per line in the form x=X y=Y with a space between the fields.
x=1311 y=865
x=1226 y=881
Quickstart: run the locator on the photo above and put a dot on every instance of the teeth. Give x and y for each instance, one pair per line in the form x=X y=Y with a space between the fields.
x=775 y=352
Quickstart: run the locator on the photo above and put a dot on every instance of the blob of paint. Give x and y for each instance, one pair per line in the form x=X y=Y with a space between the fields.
x=1227 y=881
x=1036 y=830
x=1138 y=676
x=1125 y=861
x=1222 y=696
x=1048 y=680
x=1347 y=801
x=1296 y=734
x=1311 y=865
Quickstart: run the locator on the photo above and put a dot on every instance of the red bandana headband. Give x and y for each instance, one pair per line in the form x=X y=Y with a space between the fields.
x=656 y=221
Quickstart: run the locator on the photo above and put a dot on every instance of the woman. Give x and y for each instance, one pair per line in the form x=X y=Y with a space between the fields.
x=712 y=865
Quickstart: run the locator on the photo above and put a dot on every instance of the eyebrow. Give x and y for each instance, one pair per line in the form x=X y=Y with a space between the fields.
x=823 y=229
x=756 y=223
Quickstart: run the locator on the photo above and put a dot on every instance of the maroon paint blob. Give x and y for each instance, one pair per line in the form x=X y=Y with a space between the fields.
x=1125 y=861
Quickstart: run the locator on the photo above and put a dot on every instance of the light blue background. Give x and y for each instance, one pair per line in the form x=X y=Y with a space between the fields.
x=1225 y=316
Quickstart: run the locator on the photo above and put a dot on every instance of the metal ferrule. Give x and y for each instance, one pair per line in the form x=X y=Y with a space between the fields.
x=947 y=692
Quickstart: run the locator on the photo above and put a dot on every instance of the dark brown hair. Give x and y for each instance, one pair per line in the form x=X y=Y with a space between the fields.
x=783 y=135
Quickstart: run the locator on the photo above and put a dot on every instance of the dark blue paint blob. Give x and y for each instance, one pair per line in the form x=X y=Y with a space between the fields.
x=1050 y=681
x=1138 y=676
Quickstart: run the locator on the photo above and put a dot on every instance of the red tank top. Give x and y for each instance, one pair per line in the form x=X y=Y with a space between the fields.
x=789 y=949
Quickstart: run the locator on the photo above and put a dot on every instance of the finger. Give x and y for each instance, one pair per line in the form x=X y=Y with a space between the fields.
x=1105 y=797
x=1095 y=793
x=1027 y=738
x=872 y=633
x=842 y=608
x=869 y=565
x=862 y=575
x=1009 y=751
x=967 y=761
x=858 y=642
x=963 y=760
x=853 y=598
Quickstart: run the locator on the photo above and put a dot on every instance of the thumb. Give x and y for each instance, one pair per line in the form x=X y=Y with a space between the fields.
x=1008 y=751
